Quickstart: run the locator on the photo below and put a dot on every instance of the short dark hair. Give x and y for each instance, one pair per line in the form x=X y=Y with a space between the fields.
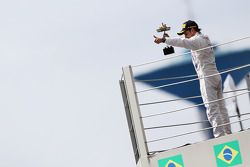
x=197 y=29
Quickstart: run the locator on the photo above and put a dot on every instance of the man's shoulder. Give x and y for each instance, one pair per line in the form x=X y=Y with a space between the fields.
x=201 y=36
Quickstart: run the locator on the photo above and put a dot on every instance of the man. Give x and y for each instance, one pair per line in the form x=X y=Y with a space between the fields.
x=204 y=63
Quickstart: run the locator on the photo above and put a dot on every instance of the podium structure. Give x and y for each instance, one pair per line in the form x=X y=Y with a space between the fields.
x=227 y=151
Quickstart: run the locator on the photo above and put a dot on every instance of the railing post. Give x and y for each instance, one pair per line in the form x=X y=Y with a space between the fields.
x=135 y=115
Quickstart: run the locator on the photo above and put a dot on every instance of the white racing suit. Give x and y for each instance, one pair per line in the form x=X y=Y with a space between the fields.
x=210 y=87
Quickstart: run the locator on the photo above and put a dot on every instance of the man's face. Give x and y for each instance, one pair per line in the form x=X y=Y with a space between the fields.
x=188 y=34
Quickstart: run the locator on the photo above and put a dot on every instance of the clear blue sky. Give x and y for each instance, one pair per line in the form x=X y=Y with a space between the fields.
x=60 y=62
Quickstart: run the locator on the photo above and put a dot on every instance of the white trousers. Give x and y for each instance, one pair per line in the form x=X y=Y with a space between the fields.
x=211 y=89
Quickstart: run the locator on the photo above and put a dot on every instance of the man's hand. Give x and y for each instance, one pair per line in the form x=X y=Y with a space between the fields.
x=159 y=40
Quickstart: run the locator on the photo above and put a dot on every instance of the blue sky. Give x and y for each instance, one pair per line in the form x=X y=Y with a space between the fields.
x=60 y=62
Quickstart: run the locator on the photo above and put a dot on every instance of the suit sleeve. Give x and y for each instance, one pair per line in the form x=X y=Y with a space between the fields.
x=183 y=42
